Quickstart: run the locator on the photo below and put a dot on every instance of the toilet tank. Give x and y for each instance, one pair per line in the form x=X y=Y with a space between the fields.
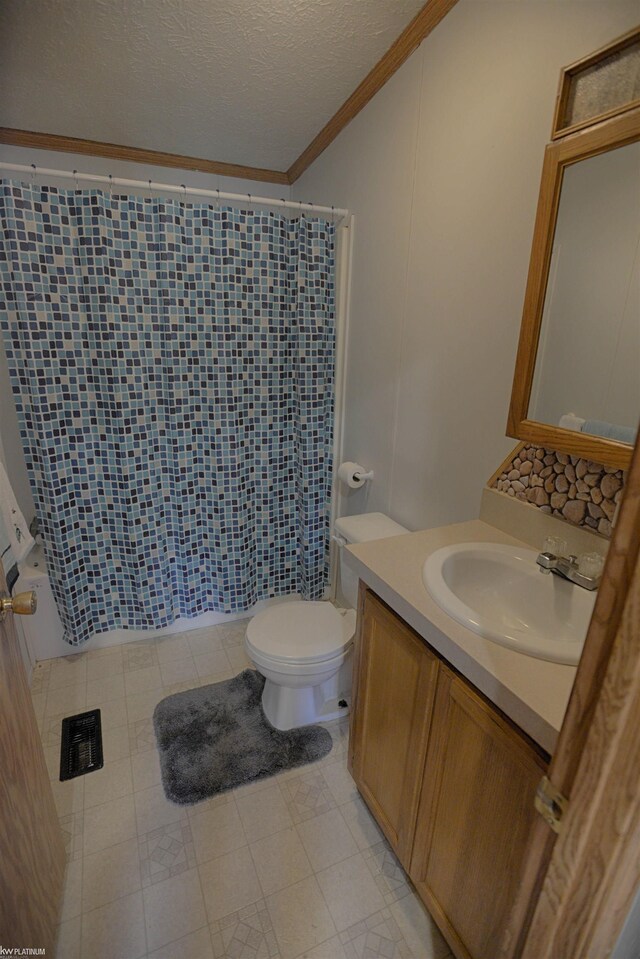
x=360 y=529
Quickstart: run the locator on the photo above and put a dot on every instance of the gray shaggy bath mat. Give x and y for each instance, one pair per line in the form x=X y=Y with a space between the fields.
x=216 y=737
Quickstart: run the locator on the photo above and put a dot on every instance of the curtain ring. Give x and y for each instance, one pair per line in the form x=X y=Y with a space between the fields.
x=110 y=187
x=34 y=170
x=218 y=200
x=75 y=178
x=184 y=197
x=150 y=191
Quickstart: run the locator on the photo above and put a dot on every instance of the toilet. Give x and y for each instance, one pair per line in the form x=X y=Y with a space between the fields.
x=303 y=648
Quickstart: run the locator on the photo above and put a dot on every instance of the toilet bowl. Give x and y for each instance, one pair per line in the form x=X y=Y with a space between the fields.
x=299 y=648
x=303 y=648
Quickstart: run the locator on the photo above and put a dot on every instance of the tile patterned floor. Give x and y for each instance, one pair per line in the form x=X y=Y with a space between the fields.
x=292 y=867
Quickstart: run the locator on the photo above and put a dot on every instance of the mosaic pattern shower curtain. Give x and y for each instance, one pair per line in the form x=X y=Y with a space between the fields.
x=172 y=366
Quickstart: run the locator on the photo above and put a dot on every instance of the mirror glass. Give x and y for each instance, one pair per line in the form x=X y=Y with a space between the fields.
x=587 y=371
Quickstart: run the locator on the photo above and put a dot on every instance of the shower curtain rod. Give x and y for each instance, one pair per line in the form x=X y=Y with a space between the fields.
x=112 y=181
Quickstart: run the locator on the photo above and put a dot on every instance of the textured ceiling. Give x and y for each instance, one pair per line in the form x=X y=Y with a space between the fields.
x=240 y=81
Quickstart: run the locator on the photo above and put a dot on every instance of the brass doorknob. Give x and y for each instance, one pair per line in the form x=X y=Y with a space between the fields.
x=24 y=604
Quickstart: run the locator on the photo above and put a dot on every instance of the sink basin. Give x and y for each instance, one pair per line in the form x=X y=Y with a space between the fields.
x=499 y=592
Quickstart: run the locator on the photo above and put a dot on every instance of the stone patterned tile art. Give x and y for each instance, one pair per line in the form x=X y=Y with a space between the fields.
x=307 y=796
x=165 y=852
x=246 y=934
x=377 y=937
x=574 y=489
x=389 y=876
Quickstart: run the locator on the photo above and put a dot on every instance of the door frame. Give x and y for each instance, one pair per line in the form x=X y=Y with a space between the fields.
x=577 y=886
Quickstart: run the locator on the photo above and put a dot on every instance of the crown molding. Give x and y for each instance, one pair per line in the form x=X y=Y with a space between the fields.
x=116 y=151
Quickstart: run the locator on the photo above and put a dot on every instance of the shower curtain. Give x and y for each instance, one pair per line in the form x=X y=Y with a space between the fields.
x=172 y=366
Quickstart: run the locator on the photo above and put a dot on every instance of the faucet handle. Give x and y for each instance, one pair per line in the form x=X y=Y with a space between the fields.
x=591 y=565
x=555 y=545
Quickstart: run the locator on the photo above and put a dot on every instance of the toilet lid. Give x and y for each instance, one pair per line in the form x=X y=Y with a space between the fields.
x=299 y=631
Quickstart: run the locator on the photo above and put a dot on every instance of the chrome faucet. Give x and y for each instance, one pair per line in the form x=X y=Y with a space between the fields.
x=585 y=571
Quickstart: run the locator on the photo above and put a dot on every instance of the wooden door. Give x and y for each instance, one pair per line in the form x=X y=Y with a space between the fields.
x=475 y=814
x=577 y=887
x=32 y=856
x=391 y=717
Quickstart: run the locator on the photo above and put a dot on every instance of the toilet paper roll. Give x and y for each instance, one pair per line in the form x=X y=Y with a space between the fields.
x=350 y=473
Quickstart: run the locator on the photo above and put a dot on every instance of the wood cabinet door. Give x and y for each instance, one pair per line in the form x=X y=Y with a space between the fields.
x=392 y=712
x=32 y=856
x=475 y=814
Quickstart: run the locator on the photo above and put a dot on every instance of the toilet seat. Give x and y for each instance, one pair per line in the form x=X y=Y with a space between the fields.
x=299 y=633
x=303 y=651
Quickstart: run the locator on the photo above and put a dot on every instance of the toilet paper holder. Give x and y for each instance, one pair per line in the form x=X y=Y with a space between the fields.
x=364 y=476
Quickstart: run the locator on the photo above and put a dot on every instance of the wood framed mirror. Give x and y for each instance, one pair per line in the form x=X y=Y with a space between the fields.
x=576 y=385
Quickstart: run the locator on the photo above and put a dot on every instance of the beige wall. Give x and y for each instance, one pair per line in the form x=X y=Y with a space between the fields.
x=442 y=171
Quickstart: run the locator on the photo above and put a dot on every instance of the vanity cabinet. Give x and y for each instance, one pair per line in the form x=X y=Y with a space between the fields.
x=396 y=682
x=475 y=814
x=449 y=779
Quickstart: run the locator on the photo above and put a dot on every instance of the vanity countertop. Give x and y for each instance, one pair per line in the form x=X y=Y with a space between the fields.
x=532 y=692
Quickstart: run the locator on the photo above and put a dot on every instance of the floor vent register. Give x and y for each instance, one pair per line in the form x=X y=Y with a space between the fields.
x=81 y=751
